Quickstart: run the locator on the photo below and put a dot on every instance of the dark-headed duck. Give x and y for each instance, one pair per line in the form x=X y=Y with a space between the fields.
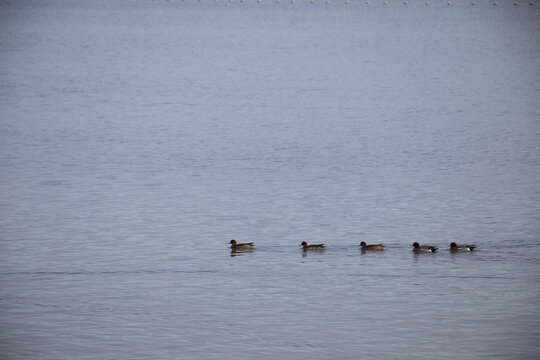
x=424 y=248
x=461 y=247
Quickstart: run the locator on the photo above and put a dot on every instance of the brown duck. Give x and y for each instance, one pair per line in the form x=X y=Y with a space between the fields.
x=375 y=247
x=235 y=245
x=312 y=247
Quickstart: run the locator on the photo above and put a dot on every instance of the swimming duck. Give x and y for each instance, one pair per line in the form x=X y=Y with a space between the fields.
x=424 y=248
x=461 y=248
x=235 y=246
x=312 y=247
x=371 y=247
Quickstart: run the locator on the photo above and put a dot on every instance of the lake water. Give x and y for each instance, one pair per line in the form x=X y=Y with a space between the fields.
x=137 y=138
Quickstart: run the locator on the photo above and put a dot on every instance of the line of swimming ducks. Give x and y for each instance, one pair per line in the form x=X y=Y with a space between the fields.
x=417 y=248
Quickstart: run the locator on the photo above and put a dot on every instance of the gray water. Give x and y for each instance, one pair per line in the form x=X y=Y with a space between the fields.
x=138 y=137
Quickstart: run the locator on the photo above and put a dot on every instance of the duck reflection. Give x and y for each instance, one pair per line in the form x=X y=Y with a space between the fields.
x=240 y=252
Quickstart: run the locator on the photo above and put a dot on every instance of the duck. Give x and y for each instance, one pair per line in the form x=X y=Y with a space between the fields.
x=424 y=248
x=371 y=247
x=312 y=247
x=461 y=247
x=235 y=245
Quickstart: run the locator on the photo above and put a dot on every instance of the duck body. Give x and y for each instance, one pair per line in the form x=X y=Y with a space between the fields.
x=374 y=247
x=461 y=247
x=424 y=248
x=305 y=246
x=235 y=245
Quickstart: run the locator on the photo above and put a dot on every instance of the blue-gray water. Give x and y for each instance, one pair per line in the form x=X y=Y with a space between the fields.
x=138 y=137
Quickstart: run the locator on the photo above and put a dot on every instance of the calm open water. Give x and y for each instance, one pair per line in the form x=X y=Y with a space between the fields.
x=138 y=137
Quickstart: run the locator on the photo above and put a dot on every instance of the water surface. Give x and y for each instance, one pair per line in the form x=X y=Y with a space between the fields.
x=138 y=137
